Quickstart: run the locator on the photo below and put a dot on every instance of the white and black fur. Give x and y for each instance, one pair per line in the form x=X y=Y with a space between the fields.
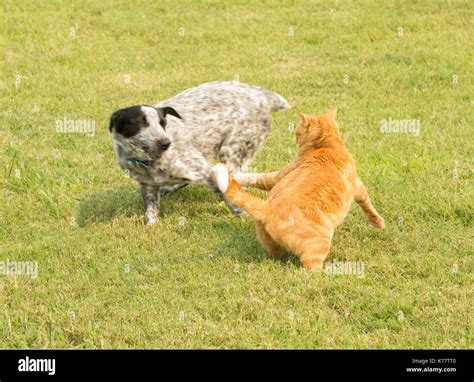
x=173 y=143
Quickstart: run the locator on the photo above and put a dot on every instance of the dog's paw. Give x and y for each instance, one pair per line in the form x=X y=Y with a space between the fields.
x=220 y=174
x=238 y=212
x=151 y=221
x=150 y=218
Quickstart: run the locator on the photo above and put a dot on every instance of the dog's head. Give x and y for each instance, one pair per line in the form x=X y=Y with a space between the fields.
x=141 y=130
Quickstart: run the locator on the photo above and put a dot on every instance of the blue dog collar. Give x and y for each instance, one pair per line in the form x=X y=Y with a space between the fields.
x=139 y=162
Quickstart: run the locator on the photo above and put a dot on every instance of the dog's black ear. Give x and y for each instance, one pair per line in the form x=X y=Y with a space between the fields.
x=113 y=118
x=164 y=111
x=111 y=123
x=173 y=112
x=169 y=110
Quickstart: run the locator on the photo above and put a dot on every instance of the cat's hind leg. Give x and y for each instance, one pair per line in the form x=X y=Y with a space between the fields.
x=313 y=252
x=310 y=242
x=272 y=247
x=361 y=196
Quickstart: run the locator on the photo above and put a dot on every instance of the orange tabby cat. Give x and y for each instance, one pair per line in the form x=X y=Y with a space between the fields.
x=308 y=198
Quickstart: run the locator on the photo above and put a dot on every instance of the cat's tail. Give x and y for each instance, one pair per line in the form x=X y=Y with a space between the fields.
x=232 y=191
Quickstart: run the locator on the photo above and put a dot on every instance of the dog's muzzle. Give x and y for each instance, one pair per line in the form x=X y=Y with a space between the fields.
x=156 y=150
x=164 y=144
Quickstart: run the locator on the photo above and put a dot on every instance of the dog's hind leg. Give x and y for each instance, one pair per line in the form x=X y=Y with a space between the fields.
x=238 y=150
x=169 y=190
x=151 y=201
x=236 y=211
x=195 y=168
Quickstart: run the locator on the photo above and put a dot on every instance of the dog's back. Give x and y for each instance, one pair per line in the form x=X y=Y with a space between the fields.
x=217 y=113
x=209 y=98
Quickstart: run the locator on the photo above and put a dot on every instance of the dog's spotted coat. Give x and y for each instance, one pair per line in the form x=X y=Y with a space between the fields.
x=173 y=143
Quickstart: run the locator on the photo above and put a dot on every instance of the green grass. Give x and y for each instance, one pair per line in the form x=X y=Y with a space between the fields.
x=107 y=281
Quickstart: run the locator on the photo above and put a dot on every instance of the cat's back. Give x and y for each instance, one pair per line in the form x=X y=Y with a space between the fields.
x=321 y=182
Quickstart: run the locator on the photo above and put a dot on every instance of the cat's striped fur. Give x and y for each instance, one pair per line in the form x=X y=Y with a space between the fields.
x=308 y=198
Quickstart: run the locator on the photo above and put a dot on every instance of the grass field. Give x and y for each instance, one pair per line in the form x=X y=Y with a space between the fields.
x=199 y=278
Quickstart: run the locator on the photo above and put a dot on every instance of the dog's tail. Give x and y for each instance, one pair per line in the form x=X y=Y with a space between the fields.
x=232 y=191
x=277 y=102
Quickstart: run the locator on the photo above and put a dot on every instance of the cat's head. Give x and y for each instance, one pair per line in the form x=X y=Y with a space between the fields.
x=315 y=129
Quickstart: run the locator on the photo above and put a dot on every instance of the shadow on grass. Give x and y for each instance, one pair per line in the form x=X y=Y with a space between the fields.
x=240 y=243
x=126 y=201
x=104 y=206
x=237 y=237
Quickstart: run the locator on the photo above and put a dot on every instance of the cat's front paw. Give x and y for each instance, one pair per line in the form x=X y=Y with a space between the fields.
x=239 y=177
x=377 y=221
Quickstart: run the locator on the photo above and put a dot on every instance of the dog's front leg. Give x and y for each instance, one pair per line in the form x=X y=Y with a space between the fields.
x=151 y=201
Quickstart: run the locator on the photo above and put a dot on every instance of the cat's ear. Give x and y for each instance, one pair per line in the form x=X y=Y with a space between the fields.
x=304 y=118
x=332 y=112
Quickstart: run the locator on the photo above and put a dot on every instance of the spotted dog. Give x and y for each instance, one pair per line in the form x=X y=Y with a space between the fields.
x=171 y=144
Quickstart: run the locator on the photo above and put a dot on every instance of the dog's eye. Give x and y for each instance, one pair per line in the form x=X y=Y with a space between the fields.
x=144 y=122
